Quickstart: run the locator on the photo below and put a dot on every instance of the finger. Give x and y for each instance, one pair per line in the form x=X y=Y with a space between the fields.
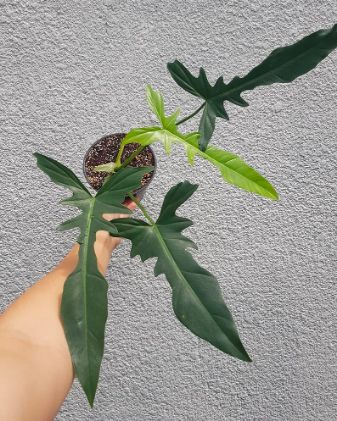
x=110 y=216
x=131 y=206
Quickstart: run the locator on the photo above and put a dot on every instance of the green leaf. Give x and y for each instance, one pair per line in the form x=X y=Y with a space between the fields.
x=196 y=295
x=148 y=135
x=156 y=103
x=232 y=168
x=84 y=300
x=235 y=171
x=108 y=167
x=167 y=133
x=200 y=87
x=283 y=65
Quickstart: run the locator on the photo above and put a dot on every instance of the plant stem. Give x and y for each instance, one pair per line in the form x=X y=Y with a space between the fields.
x=191 y=115
x=141 y=207
x=131 y=157
x=119 y=155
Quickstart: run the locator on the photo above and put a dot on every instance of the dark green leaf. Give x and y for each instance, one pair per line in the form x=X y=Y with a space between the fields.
x=84 y=300
x=200 y=86
x=283 y=65
x=196 y=295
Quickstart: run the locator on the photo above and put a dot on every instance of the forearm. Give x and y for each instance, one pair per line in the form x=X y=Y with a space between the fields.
x=35 y=364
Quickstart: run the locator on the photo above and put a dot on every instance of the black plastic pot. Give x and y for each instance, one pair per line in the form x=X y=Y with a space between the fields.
x=103 y=145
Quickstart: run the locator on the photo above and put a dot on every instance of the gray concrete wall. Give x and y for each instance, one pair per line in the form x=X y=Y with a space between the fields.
x=72 y=71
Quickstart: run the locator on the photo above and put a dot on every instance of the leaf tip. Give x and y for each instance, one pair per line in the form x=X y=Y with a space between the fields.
x=91 y=401
x=90 y=392
x=241 y=353
x=148 y=89
x=247 y=359
x=274 y=195
x=37 y=156
x=202 y=146
x=173 y=63
x=271 y=194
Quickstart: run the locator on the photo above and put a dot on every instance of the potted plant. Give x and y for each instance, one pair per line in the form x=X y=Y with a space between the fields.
x=122 y=165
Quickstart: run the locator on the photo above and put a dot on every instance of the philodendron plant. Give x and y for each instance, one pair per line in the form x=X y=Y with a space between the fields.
x=196 y=295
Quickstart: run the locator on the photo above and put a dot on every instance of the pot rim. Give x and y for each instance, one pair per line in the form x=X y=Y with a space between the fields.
x=138 y=192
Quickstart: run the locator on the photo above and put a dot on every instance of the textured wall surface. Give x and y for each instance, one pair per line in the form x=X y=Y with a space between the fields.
x=72 y=71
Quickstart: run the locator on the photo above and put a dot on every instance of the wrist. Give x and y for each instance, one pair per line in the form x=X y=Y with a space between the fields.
x=104 y=246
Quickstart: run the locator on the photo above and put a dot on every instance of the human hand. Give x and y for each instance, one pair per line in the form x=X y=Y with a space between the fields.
x=105 y=243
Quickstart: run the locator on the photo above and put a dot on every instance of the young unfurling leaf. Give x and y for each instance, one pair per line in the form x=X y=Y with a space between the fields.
x=167 y=133
x=196 y=296
x=283 y=65
x=156 y=103
x=108 y=167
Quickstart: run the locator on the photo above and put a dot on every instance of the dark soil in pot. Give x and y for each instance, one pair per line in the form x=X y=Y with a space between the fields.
x=105 y=150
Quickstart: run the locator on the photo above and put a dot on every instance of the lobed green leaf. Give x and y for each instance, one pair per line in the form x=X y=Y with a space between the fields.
x=196 y=296
x=283 y=65
x=233 y=169
x=84 y=299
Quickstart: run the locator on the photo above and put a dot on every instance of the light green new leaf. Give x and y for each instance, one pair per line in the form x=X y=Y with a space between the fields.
x=232 y=168
x=235 y=171
x=148 y=135
x=167 y=133
x=283 y=65
x=196 y=295
x=109 y=167
x=156 y=103
x=84 y=300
